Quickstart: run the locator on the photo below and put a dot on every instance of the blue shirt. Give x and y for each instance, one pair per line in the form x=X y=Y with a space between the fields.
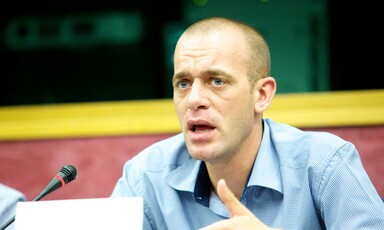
x=300 y=180
x=9 y=197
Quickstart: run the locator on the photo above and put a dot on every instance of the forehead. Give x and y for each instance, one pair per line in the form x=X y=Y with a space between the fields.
x=217 y=54
x=224 y=40
x=210 y=50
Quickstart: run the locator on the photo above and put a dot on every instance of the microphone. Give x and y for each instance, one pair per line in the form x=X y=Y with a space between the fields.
x=66 y=174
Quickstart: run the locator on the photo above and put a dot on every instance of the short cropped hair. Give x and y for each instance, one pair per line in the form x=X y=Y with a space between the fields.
x=259 y=61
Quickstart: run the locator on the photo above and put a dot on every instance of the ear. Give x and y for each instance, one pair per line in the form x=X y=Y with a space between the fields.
x=266 y=89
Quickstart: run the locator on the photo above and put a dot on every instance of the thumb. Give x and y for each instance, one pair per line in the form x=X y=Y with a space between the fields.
x=235 y=207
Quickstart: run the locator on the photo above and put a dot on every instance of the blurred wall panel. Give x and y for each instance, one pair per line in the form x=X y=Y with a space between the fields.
x=77 y=51
x=30 y=165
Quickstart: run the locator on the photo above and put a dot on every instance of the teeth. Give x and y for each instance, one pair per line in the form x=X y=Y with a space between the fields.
x=202 y=131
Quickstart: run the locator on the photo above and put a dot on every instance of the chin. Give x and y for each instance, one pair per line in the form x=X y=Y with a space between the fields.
x=198 y=154
x=203 y=155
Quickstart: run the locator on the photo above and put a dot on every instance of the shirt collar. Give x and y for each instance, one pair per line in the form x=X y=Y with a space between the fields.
x=192 y=175
x=184 y=176
x=266 y=169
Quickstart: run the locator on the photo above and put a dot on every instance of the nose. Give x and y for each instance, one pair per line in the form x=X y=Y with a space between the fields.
x=198 y=96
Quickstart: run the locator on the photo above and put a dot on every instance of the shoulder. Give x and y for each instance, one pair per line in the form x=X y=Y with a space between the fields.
x=288 y=133
x=10 y=194
x=292 y=144
x=160 y=156
x=165 y=151
x=8 y=200
x=151 y=166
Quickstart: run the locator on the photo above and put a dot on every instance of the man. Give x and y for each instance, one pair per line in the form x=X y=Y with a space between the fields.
x=233 y=169
x=9 y=197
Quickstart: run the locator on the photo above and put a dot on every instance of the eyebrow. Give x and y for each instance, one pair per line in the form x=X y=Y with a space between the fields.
x=210 y=72
x=217 y=72
x=179 y=75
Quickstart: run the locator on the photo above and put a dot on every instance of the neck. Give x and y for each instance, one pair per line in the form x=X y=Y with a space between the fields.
x=237 y=168
x=235 y=178
x=235 y=171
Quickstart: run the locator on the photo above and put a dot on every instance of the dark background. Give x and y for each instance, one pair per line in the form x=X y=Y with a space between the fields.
x=140 y=70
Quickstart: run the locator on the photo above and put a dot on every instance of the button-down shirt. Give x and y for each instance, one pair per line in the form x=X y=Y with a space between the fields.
x=300 y=180
x=9 y=197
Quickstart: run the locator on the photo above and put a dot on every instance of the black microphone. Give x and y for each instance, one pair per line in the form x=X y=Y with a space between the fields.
x=66 y=174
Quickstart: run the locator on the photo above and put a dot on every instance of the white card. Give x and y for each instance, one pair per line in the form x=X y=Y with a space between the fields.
x=117 y=213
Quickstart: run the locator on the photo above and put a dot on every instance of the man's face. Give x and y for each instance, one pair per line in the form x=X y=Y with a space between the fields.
x=212 y=96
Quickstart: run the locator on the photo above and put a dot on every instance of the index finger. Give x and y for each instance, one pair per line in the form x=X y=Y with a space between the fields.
x=235 y=207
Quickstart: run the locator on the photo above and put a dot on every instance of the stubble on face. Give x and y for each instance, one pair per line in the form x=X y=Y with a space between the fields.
x=230 y=112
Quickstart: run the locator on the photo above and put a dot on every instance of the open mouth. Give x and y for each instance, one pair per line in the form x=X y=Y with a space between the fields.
x=201 y=128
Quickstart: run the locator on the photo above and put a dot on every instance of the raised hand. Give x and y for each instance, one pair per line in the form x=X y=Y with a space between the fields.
x=241 y=217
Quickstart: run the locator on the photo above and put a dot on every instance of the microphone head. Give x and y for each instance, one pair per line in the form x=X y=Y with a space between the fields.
x=68 y=173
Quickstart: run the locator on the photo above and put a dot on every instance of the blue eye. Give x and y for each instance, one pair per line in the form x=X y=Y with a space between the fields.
x=218 y=81
x=183 y=84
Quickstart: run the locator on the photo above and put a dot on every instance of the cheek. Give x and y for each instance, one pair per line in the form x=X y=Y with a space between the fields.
x=243 y=103
x=240 y=111
x=180 y=109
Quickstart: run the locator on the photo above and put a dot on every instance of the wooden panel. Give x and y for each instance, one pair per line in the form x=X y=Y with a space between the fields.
x=36 y=141
x=328 y=109
x=30 y=165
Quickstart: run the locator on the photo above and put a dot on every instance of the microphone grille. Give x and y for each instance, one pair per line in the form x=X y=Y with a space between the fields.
x=69 y=173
